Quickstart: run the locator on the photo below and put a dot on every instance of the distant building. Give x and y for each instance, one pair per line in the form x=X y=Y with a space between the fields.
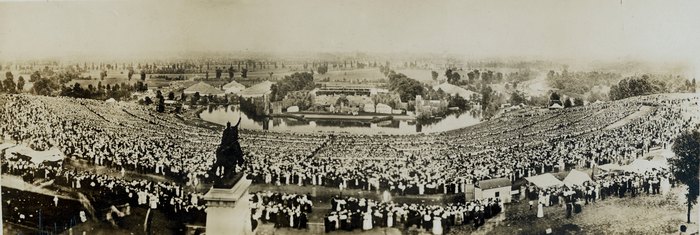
x=494 y=188
x=357 y=95
x=259 y=96
x=369 y=108
x=383 y=108
x=429 y=107
x=348 y=90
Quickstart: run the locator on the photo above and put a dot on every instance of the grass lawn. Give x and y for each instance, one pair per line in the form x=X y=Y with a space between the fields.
x=369 y=74
x=422 y=75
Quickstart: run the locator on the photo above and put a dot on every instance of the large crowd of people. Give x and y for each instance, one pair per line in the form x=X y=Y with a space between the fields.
x=350 y=213
x=573 y=197
x=48 y=214
x=281 y=209
x=444 y=164
x=127 y=137
x=107 y=191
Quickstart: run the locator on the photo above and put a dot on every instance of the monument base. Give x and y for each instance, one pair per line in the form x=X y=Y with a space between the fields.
x=228 y=210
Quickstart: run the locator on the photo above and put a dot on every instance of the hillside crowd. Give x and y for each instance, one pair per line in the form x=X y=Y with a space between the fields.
x=126 y=137
x=350 y=213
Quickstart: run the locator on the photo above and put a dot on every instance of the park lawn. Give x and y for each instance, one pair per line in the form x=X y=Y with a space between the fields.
x=352 y=75
x=422 y=75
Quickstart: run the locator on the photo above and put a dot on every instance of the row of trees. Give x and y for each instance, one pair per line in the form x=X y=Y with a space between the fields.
x=45 y=82
x=323 y=69
x=303 y=81
x=580 y=83
x=345 y=64
x=8 y=85
x=406 y=87
x=490 y=101
x=473 y=77
x=636 y=86
x=116 y=91
x=555 y=98
x=391 y=99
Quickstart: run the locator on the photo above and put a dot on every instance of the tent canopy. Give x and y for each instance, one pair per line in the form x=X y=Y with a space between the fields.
x=234 y=84
x=576 y=177
x=110 y=100
x=659 y=162
x=556 y=106
x=257 y=90
x=203 y=89
x=641 y=165
x=545 y=180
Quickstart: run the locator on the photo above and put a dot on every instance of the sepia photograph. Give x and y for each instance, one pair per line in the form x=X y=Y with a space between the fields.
x=376 y=117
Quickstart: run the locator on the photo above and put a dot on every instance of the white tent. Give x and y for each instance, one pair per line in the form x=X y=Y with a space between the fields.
x=203 y=89
x=556 y=106
x=641 y=166
x=257 y=90
x=576 y=177
x=659 y=162
x=110 y=100
x=545 y=180
x=293 y=109
x=233 y=87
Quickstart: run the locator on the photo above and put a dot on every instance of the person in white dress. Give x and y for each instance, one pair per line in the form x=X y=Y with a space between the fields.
x=665 y=186
x=390 y=219
x=367 y=220
x=540 y=210
x=437 y=224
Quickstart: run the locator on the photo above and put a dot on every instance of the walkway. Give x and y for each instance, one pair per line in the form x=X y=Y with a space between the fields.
x=643 y=111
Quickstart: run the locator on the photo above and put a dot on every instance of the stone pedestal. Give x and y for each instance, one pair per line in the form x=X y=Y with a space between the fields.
x=228 y=210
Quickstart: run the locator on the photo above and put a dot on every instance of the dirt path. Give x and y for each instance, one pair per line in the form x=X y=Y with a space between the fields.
x=491 y=223
x=643 y=111
x=16 y=182
x=82 y=165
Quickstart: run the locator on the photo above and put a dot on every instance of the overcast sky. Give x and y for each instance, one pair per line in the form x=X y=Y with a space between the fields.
x=587 y=29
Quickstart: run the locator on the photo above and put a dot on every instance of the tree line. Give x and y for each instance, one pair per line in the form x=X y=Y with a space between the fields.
x=636 y=86
x=303 y=81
